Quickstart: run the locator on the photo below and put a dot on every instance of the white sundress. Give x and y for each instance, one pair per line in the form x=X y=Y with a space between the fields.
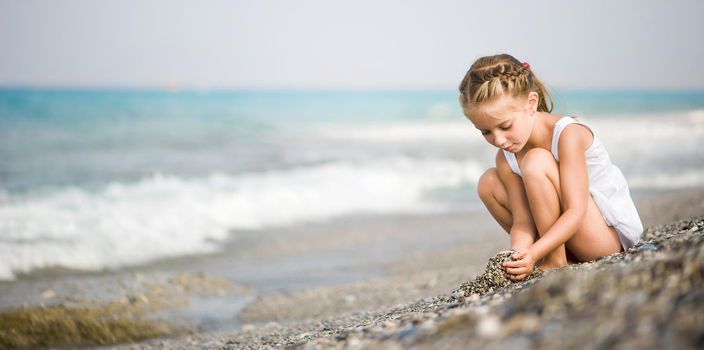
x=607 y=186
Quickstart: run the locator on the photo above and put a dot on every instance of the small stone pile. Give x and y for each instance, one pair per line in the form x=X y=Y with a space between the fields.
x=494 y=276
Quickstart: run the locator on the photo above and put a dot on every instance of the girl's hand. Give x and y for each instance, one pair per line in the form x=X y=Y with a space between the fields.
x=520 y=268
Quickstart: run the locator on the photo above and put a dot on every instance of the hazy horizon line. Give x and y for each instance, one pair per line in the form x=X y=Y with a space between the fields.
x=215 y=89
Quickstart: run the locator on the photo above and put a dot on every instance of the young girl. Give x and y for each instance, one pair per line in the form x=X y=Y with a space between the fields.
x=554 y=188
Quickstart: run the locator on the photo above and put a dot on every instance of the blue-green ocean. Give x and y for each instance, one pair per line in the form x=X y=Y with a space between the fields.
x=104 y=179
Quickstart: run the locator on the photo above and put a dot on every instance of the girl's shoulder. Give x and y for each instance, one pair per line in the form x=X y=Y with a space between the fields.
x=571 y=133
x=573 y=123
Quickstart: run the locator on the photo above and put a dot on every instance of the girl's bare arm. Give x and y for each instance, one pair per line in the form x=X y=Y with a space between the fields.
x=574 y=184
x=523 y=232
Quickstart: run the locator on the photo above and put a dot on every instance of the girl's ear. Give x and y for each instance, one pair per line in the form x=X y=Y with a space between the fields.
x=532 y=102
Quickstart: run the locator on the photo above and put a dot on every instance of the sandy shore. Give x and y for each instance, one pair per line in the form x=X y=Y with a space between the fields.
x=311 y=285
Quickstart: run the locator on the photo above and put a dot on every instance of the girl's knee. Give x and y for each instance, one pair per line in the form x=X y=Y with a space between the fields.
x=487 y=184
x=537 y=162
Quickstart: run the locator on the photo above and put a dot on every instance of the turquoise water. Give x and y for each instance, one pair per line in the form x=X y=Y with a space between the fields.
x=104 y=179
x=627 y=102
x=58 y=137
x=88 y=137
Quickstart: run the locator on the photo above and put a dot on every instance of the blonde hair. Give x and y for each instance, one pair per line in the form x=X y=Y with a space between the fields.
x=492 y=77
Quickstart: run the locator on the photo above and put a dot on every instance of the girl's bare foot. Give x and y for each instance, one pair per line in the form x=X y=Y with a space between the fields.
x=547 y=265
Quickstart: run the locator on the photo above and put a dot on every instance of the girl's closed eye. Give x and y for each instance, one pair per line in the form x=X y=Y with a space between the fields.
x=502 y=127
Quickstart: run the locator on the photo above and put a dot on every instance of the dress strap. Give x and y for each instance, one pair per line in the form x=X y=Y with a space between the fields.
x=511 y=159
x=557 y=130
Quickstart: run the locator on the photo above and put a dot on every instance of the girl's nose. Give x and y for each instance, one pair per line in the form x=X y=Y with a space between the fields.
x=499 y=139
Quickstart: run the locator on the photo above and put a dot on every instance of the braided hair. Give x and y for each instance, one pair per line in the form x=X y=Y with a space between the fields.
x=491 y=77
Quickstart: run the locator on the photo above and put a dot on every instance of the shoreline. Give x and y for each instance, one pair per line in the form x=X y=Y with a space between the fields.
x=288 y=260
x=315 y=271
x=650 y=206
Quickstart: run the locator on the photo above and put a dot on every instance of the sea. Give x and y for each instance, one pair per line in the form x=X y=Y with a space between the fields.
x=103 y=179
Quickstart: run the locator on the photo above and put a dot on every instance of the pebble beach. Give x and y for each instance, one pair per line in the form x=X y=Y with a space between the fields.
x=647 y=297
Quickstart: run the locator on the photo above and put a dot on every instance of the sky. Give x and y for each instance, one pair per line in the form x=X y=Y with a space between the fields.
x=361 y=44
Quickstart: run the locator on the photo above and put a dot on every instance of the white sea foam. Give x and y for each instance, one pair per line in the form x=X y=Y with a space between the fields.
x=162 y=216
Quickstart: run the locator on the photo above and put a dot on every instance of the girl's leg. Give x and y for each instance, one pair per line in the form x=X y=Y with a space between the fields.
x=493 y=194
x=541 y=179
x=594 y=238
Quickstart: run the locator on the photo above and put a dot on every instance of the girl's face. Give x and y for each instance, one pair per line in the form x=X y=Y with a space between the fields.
x=506 y=122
